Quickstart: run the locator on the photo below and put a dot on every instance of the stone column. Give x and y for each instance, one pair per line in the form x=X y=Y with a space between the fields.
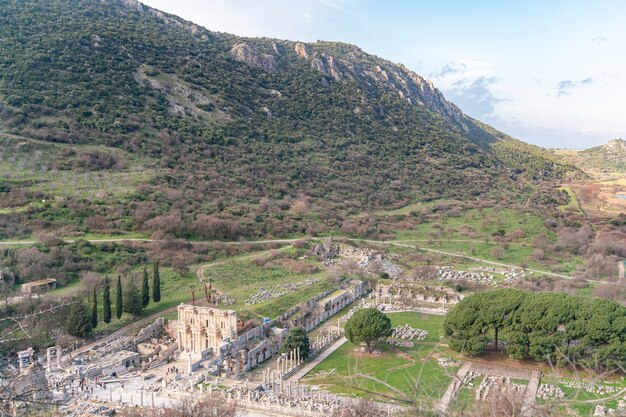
x=49 y=359
x=59 y=353
x=189 y=364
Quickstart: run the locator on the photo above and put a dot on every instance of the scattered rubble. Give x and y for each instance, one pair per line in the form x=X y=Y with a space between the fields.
x=448 y=362
x=401 y=343
x=510 y=275
x=589 y=386
x=497 y=385
x=263 y=295
x=470 y=377
x=374 y=352
x=448 y=273
x=407 y=332
x=548 y=391
x=225 y=300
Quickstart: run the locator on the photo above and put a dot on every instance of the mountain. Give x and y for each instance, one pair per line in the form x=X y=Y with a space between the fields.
x=610 y=157
x=221 y=122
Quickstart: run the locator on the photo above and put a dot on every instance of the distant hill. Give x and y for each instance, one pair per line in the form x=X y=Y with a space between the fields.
x=608 y=158
x=226 y=121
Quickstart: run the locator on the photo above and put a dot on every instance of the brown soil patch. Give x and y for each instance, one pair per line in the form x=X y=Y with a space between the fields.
x=598 y=199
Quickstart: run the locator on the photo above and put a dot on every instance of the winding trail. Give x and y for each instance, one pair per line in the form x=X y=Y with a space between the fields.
x=399 y=243
x=471 y=258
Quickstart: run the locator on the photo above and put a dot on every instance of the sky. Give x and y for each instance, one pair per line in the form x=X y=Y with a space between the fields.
x=549 y=72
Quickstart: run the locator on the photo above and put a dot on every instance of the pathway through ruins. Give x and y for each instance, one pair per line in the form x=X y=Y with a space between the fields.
x=309 y=366
x=530 y=397
x=492 y=369
x=453 y=388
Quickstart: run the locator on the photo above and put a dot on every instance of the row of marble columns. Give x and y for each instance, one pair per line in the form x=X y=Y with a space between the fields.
x=289 y=361
x=323 y=340
x=274 y=380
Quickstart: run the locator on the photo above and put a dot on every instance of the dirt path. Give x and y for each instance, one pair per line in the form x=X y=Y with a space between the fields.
x=122 y=239
x=453 y=388
x=620 y=267
x=383 y=242
x=530 y=396
x=471 y=258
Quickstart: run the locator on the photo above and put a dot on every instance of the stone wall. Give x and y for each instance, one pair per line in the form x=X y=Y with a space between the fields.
x=150 y=331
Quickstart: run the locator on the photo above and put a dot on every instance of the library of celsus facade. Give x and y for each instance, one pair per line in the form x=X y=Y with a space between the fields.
x=203 y=328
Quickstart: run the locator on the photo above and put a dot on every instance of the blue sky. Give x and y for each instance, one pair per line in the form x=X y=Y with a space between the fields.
x=548 y=72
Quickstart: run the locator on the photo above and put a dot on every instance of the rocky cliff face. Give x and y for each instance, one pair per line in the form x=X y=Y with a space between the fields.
x=250 y=55
x=360 y=67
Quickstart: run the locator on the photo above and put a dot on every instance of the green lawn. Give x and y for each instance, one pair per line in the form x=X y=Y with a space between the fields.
x=30 y=164
x=575 y=397
x=399 y=372
x=240 y=279
x=479 y=224
x=572 y=204
x=431 y=323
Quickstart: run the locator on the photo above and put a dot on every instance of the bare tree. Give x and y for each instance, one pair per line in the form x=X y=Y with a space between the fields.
x=214 y=405
x=359 y=408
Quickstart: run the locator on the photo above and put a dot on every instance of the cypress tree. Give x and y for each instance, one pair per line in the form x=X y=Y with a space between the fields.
x=94 y=310
x=78 y=323
x=145 y=289
x=132 y=299
x=156 y=284
x=118 y=301
x=106 y=299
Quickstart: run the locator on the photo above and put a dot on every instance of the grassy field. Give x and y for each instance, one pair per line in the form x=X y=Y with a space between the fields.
x=240 y=279
x=585 y=402
x=399 y=372
x=479 y=225
x=475 y=233
x=572 y=205
x=408 y=209
x=30 y=164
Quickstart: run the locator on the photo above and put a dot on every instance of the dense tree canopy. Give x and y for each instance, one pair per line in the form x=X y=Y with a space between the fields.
x=543 y=326
x=366 y=326
x=78 y=322
x=297 y=338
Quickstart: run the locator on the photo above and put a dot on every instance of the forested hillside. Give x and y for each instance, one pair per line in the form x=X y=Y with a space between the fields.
x=235 y=135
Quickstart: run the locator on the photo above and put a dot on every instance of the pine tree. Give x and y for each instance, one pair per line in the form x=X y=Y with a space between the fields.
x=94 y=310
x=145 y=289
x=106 y=299
x=118 y=300
x=78 y=323
x=156 y=284
x=132 y=299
